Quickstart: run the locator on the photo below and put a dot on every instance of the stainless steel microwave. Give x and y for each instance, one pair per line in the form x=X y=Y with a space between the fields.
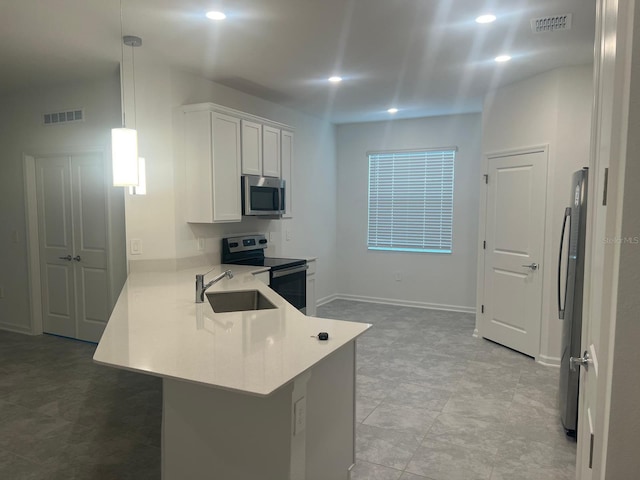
x=263 y=195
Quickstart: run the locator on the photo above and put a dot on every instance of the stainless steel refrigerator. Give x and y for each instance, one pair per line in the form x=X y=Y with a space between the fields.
x=570 y=294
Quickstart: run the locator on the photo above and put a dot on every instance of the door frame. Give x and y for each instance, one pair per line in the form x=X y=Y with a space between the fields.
x=618 y=150
x=33 y=236
x=482 y=226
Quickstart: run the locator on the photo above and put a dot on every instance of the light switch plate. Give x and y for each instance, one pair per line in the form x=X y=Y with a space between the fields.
x=136 y=246
x=200 y=244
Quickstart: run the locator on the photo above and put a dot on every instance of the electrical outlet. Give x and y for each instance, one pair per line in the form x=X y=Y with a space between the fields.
x=272 y=236
x=200 y=244
x=398 y=277
x=300 y=416
x=288 y=234
x=136 y=246
x=1 y=291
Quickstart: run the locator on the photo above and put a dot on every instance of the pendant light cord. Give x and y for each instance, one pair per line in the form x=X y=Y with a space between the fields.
x=122 y=89
x=135 y=110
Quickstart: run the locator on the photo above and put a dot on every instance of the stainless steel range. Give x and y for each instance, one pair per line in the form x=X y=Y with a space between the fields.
x=287 y=276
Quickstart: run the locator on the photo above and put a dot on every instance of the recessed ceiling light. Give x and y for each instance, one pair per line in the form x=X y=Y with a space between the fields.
x=216 y=15
x=393 y=110
x=335 y=79
x=486 y=18
x=502 y=58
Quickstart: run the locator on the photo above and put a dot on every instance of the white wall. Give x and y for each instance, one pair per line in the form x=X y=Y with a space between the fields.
x=22 y=131
x=427 y=279
x=157 y=218
x=552 y=109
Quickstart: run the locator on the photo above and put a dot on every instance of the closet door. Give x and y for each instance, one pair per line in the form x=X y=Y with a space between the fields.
x=72 y=224
x=55 y=233
x=89 y=202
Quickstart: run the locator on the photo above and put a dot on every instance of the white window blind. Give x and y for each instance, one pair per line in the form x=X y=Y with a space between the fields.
x=411 y=201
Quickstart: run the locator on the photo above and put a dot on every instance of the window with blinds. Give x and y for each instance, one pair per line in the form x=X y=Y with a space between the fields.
x=411 y=201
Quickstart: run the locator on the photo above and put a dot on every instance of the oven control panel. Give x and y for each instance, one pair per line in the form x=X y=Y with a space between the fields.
x=244 y=243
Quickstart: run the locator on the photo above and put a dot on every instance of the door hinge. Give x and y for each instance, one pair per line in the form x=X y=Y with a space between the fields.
x=486 y=178
x=484 y=244
x=606 y=184
x=482 y=309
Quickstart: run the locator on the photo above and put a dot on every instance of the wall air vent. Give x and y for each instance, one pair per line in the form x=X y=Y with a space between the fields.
x=67 y=116
x=551 y=24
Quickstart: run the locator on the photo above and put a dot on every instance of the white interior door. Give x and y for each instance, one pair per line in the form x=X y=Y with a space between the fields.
x=53 y=183
x=89 y=202
x=613 y=55
x=515 y=218
x=72 y=233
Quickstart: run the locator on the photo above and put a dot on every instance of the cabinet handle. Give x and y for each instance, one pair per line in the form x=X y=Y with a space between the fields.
x=77 y=258
x=67 y=258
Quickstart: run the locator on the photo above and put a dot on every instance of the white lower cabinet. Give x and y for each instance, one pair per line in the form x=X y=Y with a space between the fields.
x=311 y=288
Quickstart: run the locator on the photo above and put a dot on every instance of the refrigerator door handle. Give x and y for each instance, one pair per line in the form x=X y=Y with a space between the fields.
x=567 y=215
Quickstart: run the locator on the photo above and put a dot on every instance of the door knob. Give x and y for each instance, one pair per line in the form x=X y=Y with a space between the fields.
x=77 y=258
x=68 y=258
x=583 y=361
x=532 y=266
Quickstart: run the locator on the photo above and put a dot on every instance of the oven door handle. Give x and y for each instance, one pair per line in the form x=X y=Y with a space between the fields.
x=289 y=271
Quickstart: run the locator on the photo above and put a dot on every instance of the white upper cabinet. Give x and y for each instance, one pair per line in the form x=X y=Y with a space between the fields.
x=270 y=151
x=212 y=157
x=220 y=145
x=287 y=171
x=251 y=148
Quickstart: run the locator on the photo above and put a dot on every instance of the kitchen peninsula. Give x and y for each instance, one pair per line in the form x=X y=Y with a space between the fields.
x=246 y=394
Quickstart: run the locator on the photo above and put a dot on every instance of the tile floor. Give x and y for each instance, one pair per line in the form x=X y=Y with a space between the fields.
x=433 y=402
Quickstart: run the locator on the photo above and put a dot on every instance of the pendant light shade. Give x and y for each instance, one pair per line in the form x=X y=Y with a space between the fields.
x=124 y=151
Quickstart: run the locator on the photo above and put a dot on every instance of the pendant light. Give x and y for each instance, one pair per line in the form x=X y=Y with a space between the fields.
x=124 y=141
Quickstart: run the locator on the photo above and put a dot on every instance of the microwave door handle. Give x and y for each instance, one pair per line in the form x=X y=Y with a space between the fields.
x=281 y=200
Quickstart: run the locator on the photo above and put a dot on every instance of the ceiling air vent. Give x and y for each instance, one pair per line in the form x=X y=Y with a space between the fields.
x=68 y=116
x=551 y=24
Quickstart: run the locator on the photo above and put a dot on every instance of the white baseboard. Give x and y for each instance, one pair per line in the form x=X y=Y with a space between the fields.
x=548 y=361
x=399 y=303
x=15 y=328
x=327 y=299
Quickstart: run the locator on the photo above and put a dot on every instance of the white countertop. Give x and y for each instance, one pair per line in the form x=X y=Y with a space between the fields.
x=157 y=328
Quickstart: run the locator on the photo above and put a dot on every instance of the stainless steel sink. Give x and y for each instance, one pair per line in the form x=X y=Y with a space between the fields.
x=238 y=301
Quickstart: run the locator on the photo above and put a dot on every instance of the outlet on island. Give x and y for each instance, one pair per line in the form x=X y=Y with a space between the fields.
x=397 y=276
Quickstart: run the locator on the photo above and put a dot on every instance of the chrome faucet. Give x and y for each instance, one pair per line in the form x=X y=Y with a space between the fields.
x=201 y=287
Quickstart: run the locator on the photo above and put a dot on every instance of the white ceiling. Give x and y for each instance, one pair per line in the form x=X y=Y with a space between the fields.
x=427 y=57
